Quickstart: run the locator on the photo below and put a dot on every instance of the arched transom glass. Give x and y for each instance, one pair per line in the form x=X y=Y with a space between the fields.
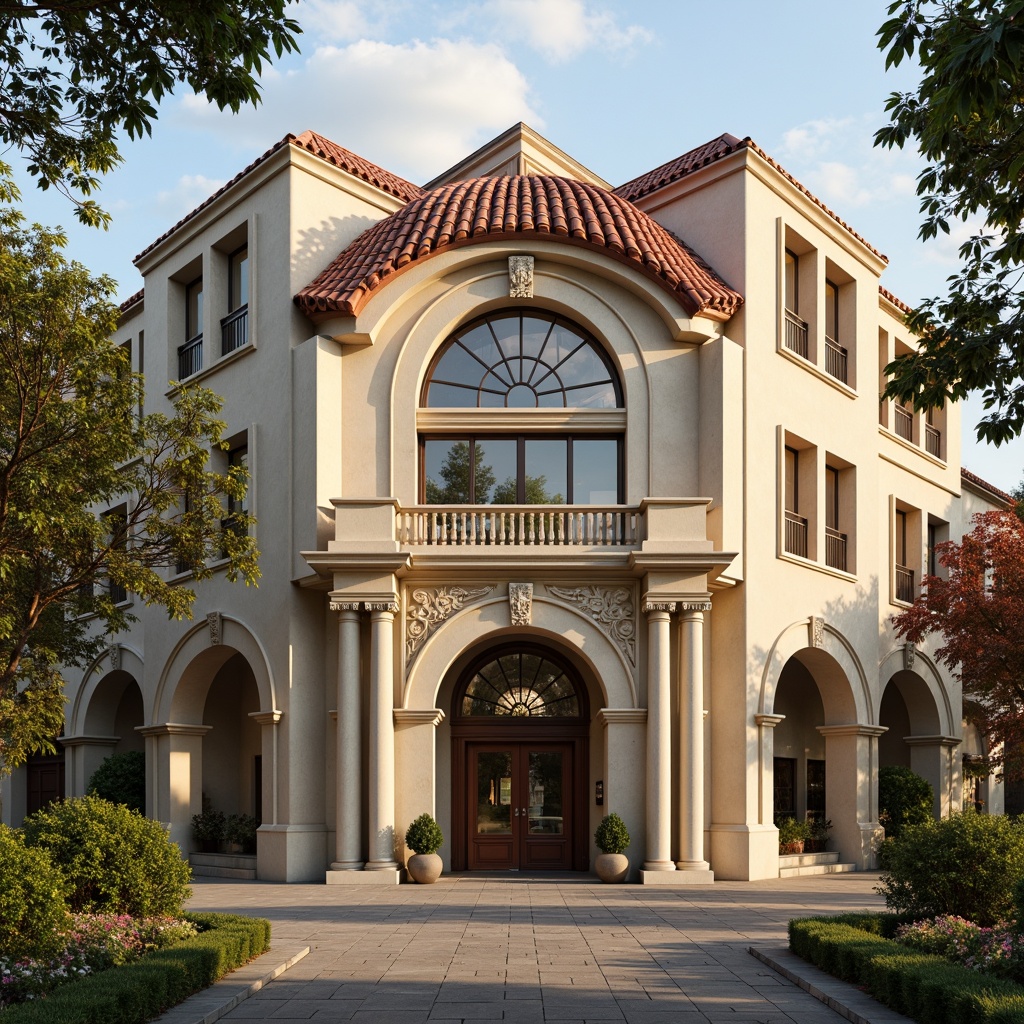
x=521 y=684
x=522 y=360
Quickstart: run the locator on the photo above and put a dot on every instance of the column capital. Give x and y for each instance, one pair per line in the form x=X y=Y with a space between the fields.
x=769 y=721
x=853 y=729
x=928 y=741
x=655 y=606
x=82 y=740
x=691 y=609
x=173 y=729
x=377 y=607
x=344 y=606
x=417 y=716
x=622 y=716
x=266 y=717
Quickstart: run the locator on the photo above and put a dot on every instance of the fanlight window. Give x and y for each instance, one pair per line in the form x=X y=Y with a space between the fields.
x=521 y=685
x=522 y=361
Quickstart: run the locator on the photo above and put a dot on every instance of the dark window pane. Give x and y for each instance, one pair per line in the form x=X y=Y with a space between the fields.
x=494 y=793
x=595 y=473
x=546 y=472
x=521 y=686
x=446 y=467
x=457 y=366
x=445 y=396
x=545 y=793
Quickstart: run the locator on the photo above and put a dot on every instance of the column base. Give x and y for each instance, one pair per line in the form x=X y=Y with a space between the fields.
x=692 y=865
x=658 y=865
x=381 y=865
x=363 y=877
x=686 y=877
x=347 y=865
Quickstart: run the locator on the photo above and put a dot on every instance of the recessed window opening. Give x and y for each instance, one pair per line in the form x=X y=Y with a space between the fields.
x=796 y=327
x=235 y=326
x=796 y=524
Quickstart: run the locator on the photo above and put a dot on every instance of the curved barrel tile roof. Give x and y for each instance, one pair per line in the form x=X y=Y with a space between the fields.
x=516 y=207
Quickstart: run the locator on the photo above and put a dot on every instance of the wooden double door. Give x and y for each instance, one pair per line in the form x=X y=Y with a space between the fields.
x=520 y=812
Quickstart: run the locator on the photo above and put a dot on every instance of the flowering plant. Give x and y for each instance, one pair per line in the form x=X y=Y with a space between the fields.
x=997 y=950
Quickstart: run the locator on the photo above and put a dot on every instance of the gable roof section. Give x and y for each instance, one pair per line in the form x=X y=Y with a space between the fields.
x=972 y=479
x=516 y=207
x=710 y=152
x=326 y=150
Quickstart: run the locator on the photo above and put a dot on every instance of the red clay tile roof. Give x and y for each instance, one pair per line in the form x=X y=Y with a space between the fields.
x=325 y=150
x=972 y=478
x=708 y=154
x=506 y=207
x=898 y=303
x=132 y=300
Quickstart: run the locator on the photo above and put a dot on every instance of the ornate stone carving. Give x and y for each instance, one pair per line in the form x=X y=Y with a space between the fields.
x=520 y=603
x=611 y=608
x=344 y=606
x=520 y=277
x=909 y=654
x=429 y=607
x=659 y=606
x=816 y=630
x=382 y=606
x=115 y=657
x=216 y=625
x=695 y=606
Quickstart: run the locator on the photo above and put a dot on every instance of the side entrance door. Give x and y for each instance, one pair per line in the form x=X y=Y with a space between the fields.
x=519 y=808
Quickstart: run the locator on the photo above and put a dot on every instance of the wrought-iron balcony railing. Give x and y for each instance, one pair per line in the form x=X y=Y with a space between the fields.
x=234 y=330
x=933 y=440
x=519 y=525
x=835 y=549
x=904 y=422
x=835 y=360
x=904 y=584
x=190 y=357
x=796 y=534
x=796 y=334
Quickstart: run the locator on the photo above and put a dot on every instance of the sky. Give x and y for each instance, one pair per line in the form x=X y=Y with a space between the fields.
x=622 y=87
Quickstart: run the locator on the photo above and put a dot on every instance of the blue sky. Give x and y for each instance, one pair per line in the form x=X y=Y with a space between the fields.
x=622 y=87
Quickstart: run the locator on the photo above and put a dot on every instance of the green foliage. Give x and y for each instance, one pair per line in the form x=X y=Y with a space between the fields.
x=458 y=488
x=966 y=865
x=141 y=991
x=964 y=118
x=904 y=798
x=32 y=899
x=792 y=831
x=928 y=988
x=241 y=829
x=209 y=827
x=72 y=443
x=424 y=835
x=612 y=836
x=116 y=860
x=77 y=75
x=121 y=779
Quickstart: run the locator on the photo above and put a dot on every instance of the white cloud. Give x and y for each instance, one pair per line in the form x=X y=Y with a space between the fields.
x=558 y=29
x=415 y=108
x=343 y=21
x=188 y=192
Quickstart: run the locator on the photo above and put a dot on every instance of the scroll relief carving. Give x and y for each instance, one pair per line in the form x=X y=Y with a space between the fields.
x=520 y=603
x=213 y=620
x=611 y=608
x=428 y=608
x=520 y=277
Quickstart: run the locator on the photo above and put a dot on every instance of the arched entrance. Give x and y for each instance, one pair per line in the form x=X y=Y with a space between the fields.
x=520 y=720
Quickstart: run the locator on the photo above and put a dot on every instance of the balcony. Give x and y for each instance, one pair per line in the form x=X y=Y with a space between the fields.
x=190 y=357
x=835 y=360
x=796 y=534
x=904 y=423
x=904 y=584
x=234 y=330
x=933 y=441
x=796 y=334
x=835 y=549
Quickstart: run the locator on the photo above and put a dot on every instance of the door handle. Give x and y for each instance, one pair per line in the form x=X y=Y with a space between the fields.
x=517 y=812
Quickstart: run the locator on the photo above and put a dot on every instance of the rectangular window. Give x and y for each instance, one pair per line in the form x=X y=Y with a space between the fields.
x=933 y=433
x=190 y=355
x=903 y=571
x=796 y=327
x=116 y=529
x=836 y=361
x=815 y=789
x=235 y=326
x=784 y=778
x=238 y=456
x=933 y=561
x=836 y=556
x=796 y=524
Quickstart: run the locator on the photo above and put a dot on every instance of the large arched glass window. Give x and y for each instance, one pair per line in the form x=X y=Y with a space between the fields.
x=531 y=363
x=521 y=683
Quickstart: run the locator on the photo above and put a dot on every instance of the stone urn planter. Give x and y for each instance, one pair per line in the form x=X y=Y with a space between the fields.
x=611 y=867
x=424 y=868
x=612 y=838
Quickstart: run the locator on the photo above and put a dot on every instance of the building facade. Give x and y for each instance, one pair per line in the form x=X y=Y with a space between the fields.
x=571 y=499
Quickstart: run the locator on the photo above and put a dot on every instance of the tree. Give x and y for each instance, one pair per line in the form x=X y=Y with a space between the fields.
x=536 y=492
x=456 y=476
x=95 y=499
x=977 y=608
x=77 y=74
x=966 y=120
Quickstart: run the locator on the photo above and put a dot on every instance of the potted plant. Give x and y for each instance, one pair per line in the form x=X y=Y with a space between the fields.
x=241 y=830
x=817 y=840
x=612 y=838
x=208 y=830
x=424 y=837
x=792 y=835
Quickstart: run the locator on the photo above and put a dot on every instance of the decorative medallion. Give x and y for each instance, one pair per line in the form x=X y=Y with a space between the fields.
x=817 y=631
x=520 y=603
x=909 y=654
x=115 y=657
x=428 y=608
x=611 y=608
x=214 y=621
x=520 y=277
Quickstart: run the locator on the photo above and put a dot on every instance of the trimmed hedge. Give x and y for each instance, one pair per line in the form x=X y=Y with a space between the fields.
x=928 y=988
x=141 y=991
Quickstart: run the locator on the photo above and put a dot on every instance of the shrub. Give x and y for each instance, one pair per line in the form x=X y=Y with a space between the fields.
x=966 y=865
x=241 y=829
x=209 y=828
x=904 y=798
x=115 y=860
x=793 y=831
x=121 y=779
x=424 y=835
x=33 y=892
x=612 y=836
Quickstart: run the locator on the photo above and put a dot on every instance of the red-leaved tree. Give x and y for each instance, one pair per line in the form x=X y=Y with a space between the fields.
x=978 y=609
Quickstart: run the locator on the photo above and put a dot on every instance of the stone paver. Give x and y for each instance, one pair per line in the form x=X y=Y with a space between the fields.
x=533 y=949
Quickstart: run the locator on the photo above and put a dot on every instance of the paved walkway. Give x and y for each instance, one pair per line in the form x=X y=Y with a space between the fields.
x=534 y=949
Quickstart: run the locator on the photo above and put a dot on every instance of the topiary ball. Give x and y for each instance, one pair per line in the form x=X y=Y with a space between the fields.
x=424 y=835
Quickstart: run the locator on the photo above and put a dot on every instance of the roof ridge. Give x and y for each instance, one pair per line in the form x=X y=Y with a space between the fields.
x=966 y=474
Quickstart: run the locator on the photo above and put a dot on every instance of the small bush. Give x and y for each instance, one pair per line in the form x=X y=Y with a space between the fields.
x=115 y=860
x=241 y=829
x=209 y=828
x=904 y=798
x=792 y=831
x=612 y=836
x=121 y=779
x=33 y=907
x=424 y=835
x=965 y=865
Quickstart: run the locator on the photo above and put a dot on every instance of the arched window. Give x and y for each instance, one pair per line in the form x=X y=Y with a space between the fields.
x=530 y=365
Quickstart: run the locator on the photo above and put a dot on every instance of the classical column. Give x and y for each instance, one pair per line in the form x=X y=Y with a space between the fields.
x=349 y=760
x=382 y=738
x=691 y=737
x=659 y=738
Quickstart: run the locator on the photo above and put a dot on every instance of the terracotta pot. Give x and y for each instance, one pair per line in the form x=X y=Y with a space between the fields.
x=790 y=848
x=611 y=867
x=424 y=868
